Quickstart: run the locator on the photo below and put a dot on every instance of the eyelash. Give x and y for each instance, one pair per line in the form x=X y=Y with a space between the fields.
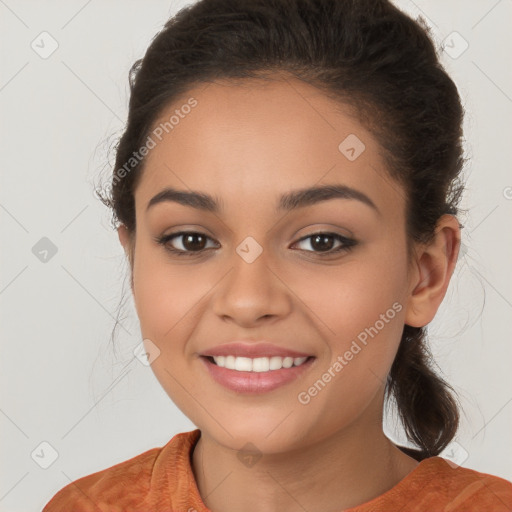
x=348 y=243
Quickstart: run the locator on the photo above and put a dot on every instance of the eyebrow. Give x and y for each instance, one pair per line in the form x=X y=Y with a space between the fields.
x=287 y=202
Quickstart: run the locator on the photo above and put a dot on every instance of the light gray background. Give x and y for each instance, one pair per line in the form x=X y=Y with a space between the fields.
x=61 y=382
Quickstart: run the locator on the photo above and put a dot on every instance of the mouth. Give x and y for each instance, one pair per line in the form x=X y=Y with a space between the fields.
x=255 y=375
x=257 y=364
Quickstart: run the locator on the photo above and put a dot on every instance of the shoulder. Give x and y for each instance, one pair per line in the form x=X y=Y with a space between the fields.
x=461 y=489
x=122 y=486
x=438 y=485
x=121 y=483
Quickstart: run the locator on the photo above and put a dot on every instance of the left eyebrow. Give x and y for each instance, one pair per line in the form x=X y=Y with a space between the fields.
x=308 y=196
x=289 y=201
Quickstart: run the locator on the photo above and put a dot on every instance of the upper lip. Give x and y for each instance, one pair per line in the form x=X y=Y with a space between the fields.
x=251 y=350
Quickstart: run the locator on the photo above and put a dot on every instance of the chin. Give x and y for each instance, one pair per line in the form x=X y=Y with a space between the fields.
x=269 y=435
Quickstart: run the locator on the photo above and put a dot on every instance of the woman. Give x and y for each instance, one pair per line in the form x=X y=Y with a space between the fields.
x=286 y=192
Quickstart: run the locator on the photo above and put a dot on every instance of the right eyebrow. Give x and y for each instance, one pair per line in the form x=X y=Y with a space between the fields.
x=193 y=199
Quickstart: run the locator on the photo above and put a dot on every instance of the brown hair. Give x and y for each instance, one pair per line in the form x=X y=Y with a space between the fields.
x=367 y=51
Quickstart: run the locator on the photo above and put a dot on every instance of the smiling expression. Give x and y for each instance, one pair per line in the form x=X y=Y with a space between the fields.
x=289 y=240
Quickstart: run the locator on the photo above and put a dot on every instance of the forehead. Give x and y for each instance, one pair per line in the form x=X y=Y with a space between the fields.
x=260 y=138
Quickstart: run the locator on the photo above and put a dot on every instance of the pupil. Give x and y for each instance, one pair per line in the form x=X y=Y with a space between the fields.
x=191 y=245
x=320 y=242
x=322 y=246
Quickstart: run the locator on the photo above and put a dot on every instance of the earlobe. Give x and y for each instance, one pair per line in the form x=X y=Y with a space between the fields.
x=122 y=233
x=435 y=264
x=126 y=241
x=419 y=308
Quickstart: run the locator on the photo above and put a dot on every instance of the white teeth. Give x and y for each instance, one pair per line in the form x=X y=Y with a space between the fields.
x=243 y=364
x=258 y=364
x=261 y=364
x=288 y=362
x=229 y=362
x=275 y=363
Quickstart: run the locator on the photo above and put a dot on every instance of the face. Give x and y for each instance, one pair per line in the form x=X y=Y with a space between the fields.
x=325 y=275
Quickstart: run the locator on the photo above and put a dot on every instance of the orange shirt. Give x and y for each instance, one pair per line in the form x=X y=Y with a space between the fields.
x=161 y=480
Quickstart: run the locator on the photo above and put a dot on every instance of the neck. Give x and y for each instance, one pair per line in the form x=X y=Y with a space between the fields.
x=344 y=469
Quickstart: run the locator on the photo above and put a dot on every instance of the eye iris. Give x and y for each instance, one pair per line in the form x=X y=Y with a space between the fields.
x=191 y=245
x=322 y=245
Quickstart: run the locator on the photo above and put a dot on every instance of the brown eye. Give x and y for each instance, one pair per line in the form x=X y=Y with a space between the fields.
x=324 y=243
x=187 y=242
x=193 y=241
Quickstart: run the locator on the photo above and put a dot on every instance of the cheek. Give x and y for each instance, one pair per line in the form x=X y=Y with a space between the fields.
x=358 y=308
x=365 y=326
x=349 y=300
x=165 y=295
x=167 y=299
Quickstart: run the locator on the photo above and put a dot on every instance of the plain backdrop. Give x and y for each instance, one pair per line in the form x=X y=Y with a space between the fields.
x=62 y=384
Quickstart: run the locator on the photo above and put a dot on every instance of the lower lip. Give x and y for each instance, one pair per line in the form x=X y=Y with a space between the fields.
x=255 y=382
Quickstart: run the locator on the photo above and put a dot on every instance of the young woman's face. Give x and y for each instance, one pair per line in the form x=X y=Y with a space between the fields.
x=265 y=268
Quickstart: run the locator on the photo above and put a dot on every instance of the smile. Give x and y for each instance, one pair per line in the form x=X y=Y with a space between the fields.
x=257 y=364
x=255 y=375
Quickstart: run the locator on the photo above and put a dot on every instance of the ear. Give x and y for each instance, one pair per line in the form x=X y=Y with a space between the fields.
x=126 y=240
x=124 y=237
x=434 y=267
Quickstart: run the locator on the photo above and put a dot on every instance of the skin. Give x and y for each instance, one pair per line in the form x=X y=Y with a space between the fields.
x=247 y=144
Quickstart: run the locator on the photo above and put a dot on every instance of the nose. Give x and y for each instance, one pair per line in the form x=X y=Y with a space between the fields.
x=252 y=293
